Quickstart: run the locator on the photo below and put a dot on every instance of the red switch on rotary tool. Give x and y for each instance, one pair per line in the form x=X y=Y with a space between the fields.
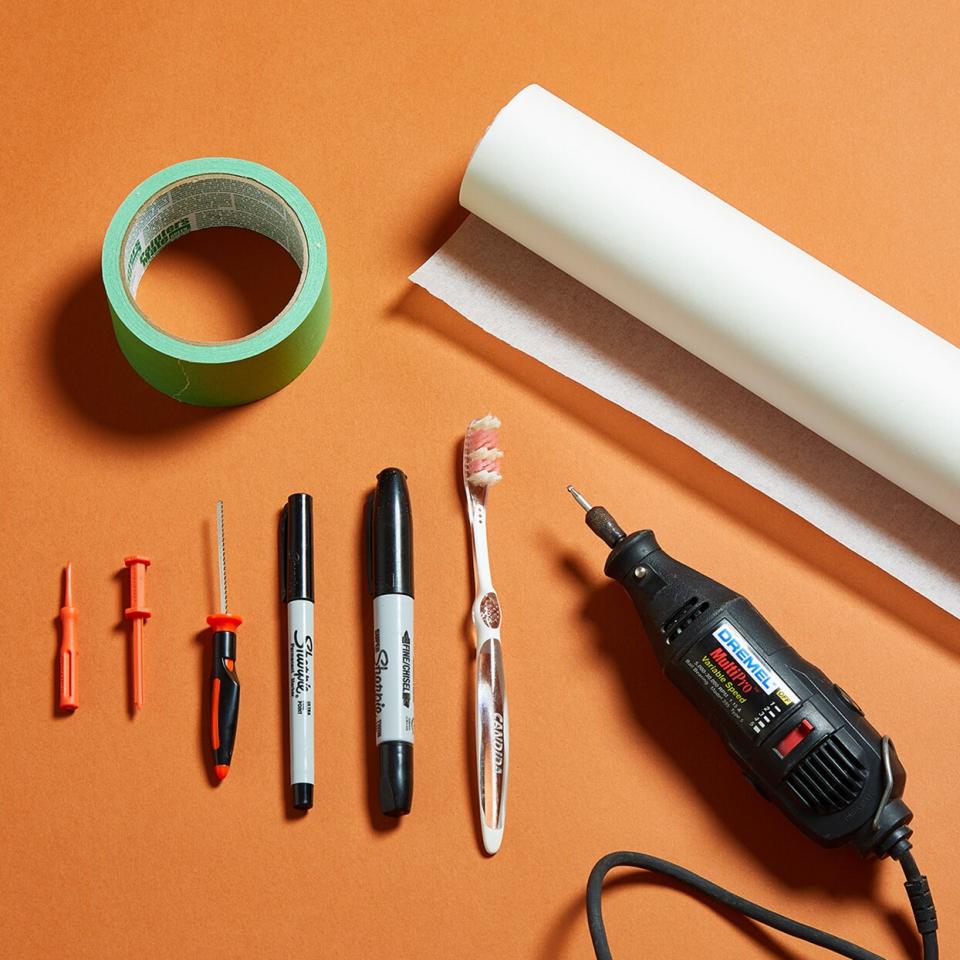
x=793 y=739
x=137 y=612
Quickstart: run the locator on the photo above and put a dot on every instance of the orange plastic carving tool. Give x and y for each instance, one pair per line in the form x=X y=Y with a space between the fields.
x=69 y=693
x=137 y=612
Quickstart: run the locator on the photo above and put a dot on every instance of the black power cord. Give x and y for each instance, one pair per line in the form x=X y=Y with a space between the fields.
x=916 y=885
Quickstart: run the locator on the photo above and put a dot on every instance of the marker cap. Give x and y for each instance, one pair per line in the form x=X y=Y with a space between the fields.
x=391 y=535
x=296 y=548
x=302 y=796
x=396 y=777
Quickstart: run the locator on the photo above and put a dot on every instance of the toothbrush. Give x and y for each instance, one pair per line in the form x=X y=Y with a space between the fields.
x=481 y=470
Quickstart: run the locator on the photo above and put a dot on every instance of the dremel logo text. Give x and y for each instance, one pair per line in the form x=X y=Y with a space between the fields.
x=738 y=648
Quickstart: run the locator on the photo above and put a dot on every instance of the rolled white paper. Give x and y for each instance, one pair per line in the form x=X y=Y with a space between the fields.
x=806 y=339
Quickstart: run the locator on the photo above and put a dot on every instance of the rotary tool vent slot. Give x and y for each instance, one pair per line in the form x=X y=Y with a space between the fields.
x=829 y=779
x=683 y=617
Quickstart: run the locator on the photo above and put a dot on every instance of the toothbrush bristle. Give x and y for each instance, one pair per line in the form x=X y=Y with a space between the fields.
x=481 y=452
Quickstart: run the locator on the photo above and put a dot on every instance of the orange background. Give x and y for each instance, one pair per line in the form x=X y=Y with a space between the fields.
x=834 y=124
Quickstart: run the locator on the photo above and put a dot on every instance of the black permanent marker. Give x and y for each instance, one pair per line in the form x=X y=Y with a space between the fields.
x=296 y=591
x=392 y=586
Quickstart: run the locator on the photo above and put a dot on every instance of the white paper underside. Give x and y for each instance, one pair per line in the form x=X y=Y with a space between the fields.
x=535 y=307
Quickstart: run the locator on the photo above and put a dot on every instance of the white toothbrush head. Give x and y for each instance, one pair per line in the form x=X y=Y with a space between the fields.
x=482 y=453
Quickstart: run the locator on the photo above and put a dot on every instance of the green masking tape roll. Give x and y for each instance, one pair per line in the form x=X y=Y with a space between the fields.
x=217 y=192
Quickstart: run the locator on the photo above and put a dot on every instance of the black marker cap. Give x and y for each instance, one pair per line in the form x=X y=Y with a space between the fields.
x=391 y=535
x=396 y=778
x=302 y=796
x=296 y=548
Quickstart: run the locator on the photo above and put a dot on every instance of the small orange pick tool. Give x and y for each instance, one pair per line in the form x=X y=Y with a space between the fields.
x=137 y=612
x=69 y=694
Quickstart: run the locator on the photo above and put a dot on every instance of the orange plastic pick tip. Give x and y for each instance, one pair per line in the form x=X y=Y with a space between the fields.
x=222 y=769
x=69 y=698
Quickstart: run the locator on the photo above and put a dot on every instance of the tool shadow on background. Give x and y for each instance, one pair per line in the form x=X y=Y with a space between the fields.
x=213 y=285
x=441 y=215
x=681 y=463
x=676 y=731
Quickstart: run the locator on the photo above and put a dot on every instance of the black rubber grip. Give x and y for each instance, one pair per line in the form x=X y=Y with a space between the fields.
x=225 y=697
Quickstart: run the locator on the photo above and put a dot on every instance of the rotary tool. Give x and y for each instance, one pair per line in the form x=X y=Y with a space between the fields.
x=799 y=738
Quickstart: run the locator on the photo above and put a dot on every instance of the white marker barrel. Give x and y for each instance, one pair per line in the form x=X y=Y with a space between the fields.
x=393 y=667
x=300 y=646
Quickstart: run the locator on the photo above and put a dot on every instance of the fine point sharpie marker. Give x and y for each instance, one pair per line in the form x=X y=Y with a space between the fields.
x=391 y=528
x=296 y=591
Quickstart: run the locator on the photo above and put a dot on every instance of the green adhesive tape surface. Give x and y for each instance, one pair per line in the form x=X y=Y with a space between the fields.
x=195 y=195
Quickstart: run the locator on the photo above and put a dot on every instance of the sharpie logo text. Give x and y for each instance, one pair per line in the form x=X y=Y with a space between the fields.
x=381 y=662
x=301 y=655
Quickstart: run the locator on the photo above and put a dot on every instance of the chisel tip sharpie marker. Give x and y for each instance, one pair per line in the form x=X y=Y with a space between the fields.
x=391 y=581
x=296 y=591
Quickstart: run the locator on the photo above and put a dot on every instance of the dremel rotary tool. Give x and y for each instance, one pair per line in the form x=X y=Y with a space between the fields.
x=798 y=737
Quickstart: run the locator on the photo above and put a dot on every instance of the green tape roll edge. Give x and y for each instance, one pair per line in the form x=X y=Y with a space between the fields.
x=197 y=194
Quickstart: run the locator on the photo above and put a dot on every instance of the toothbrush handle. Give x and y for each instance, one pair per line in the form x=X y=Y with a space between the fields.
x=493 y=729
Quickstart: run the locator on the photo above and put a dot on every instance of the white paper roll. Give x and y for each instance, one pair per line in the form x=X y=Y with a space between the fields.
x=811 y=342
